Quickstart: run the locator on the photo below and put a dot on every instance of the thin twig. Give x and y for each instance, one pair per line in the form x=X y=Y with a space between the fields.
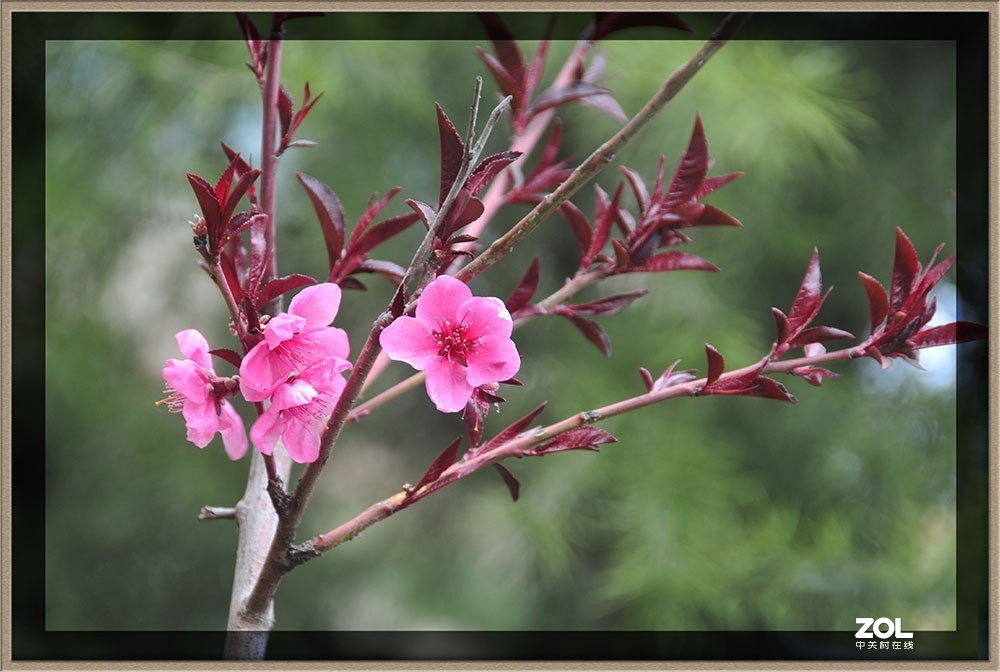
x=217 y=513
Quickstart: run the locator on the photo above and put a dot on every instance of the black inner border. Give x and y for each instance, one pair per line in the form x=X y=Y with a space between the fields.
x=30 y=640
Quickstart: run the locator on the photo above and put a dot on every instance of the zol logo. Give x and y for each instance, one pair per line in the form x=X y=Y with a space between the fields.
x=883 y=628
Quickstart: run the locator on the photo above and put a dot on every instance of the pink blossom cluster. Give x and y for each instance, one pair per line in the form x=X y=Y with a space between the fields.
x=461 y=341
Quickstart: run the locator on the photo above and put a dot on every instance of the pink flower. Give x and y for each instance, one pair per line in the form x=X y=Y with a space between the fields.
x=294 y=341
x=461 y=341
x=194 y=390
x=299 y=408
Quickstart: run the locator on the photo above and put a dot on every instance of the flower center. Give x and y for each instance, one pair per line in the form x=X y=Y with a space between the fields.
x=453 y=343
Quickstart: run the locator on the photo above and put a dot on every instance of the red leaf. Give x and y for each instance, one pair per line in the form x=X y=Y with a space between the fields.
x=622 y=257
x=227 y=355
x=809 y=298
x=426 y=212
x=525 y=289
x=514 y=429
x=383 y=231
x=716 y=364
x=781 y=324
x=602 y=223
x=557 y=95
x=243 y=184
x=768 y=388
x=504 y=44
x=819 y=335
x=507 y=83
x=647 y=378
x=275 y=288
x=610 y=22
x=208 y=202
x=224 y=182
x=947 y=334
x=513 y=485
x=533 y=74
x=712 y=216
x=394 y=272
x=814 y=375
x=330 y=213
x=671 y=261
x=669 y=378
x=710 y=184
x=551 y=150
x=934 y=274
x=691 y=171
x=579 y=224
x=252 y=37
x=375 y=206
x=905 y=269
x=473 y=419
x=638 y=188
x=591 y=330
x=230 y=274
x=444 y=460
x=353 y=283
x=608 y=305
x=285 y=109
x=241 y=222
x=878 y=302
x=605 y=104
x=452 y=150
x=466 y=210
x=488 y=169
x=581 y=438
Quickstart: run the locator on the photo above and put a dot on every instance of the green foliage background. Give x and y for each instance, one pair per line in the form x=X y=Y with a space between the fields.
x=708 y=514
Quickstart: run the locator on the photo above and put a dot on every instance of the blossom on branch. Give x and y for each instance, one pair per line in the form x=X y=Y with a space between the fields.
x=462 y=342
x=294 y=341
x=194 y=390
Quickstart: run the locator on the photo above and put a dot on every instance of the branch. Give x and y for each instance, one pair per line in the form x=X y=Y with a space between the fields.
x=604 y=154
x=217 y=513
x=268 y=158
x=521 y=444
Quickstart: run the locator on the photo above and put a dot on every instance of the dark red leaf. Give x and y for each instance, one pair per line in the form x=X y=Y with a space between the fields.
x=466 y=210
x=394 y=272
x=227 y=355
x=383 y=231
x=504 y=44
x=452 y=150
x=551 y=151
x=691 y=170
x=712 y=216
x=514 y=429
x=905 y=269
x=330 y=213
x=622 y=257
x=602 y=223
x=557 y=95
x=426 y=212
x=473 y=419
x=230 y=274
x=605 y=104
x=716 y=364
x=275 y=288
x=591 y=330
x=814 y=375
x=285 y=110
x=375 y=206
x=208 y=203
x=252 y=37
x=608 y=305
x=243 y=183
x=352 y=283
x=610 y=22
x=638 y=188
x=878 y=302
x=444 y=460
x=947 y=334
x=581 y=438
x=241 y=222
x=488 y=169
x=462 y=238
x=579 y=224
x=513 y=485
x=809 y=297
x=671 y=261
x=224 y=182
x=819 y=335
x=525 y=289
x=934 y=274
x=669 y=378
x=768 y=388
x=710 y=184
x=647 y=378
x=781 y=324
x=507 y=83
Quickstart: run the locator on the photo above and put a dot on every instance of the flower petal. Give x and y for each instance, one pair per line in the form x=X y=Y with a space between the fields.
x=440 y=301
x=185 y=377
x=265 y=431
x=290 y=395
x=408 y=340
x=495 y=359
x=234 y=434
x=194 y=346
x=485 y=316
x=281 y=328
x=302 y=441
x=325 y=342
x=447 y=385
x=257 y=375
x=318 y=304
x=202 y=422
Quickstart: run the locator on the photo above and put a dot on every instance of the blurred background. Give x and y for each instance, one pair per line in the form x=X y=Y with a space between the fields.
x=716 y=513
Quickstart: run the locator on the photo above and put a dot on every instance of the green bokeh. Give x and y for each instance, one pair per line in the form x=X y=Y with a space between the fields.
x=708 y=514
